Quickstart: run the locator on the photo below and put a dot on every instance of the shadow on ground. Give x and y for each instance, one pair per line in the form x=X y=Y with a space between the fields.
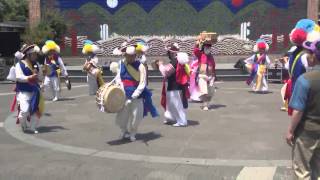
x=48 y=129
x=144 y=137
x=217 y=106
x=260 y=92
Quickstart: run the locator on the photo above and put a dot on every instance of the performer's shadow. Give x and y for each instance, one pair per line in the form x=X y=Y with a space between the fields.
x=49 y=129
x=143 y=137
x=260 y=92
x=61 y=99
x=216 y=106
x=193 y=123
x=66 y=99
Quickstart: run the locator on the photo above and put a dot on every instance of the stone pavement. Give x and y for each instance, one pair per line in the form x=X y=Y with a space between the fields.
x=241 y=137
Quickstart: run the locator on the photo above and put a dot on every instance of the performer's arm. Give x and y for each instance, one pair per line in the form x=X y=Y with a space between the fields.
x=268 y=61
x=166 y=70
x=143 y=59
x=62 y=67
x=304 y=60
x=298 y=102
x=142 y=83
x=249 y=60
x=94 y=61
x=40 y=73
x=20 y=75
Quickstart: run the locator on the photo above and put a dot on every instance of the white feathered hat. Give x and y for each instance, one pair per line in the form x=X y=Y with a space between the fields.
x=182 y=58
x=114 y=67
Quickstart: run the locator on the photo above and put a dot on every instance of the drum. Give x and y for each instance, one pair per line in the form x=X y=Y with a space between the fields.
x=209 y=37
x=155 y=65
x=89 y=68
x=46 y=70
x=110 y=98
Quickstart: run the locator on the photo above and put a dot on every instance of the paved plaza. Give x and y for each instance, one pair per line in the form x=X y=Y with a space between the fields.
x=241 y=137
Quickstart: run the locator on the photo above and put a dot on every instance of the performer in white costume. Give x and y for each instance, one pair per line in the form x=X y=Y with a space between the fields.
x=31 y=103
x=257 y=66
x=94 y=73
x=53 y=68
x=132 y=75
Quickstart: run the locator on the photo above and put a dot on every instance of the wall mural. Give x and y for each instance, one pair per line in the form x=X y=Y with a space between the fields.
x=100 y=19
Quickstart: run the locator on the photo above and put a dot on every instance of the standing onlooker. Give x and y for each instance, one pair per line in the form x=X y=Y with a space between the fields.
x=304 y=131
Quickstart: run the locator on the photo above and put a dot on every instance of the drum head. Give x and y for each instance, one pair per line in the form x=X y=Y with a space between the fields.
x=114 y=99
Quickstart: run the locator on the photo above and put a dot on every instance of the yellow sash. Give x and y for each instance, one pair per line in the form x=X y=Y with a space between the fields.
x=28 y=65
x=132 y=71
x=187 y=69
x=260 y=74
x=294 y=63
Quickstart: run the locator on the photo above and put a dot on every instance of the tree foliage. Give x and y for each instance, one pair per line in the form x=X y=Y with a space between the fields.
x=52 y=26
x=13 y=10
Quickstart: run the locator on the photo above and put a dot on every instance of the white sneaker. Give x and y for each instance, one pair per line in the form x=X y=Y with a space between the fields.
x=35 y=132
x=125 y=135
x=132 y=138
x=205 y=108
x=179 y=125
x=55 y=99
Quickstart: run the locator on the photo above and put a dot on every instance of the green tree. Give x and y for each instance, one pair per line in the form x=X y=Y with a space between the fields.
x=52 y=26
x=13 y=10
x=56 y=22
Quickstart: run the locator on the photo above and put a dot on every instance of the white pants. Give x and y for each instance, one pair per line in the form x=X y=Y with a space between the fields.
x=129 y=118
x=92 y=83
x=174 y=108
x=53 y=84
x=206 y=91
x=24 y=99
x=263 y=87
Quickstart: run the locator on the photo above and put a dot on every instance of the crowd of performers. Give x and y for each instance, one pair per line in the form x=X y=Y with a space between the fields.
x=184 y=78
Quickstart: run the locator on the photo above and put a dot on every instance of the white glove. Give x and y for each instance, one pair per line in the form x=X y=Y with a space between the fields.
x=128 y=101
x=134 y=96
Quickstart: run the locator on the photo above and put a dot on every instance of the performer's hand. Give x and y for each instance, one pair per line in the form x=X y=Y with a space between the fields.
x=128 y=101
x=33 y=78
x=290 y=138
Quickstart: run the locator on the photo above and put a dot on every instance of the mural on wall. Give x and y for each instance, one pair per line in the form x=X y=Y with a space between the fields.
x=182 y=17
x=249 y=19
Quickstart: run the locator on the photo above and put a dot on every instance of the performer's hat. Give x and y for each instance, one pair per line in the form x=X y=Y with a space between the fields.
x=142 y=47
x=131 y=50
x=50 y=46
x=120 y=50
x=314 y=47
x=260 y=45
x=114 y=67
x=298 y=36
x=89 y=47
x=182 y=58
x=28 y=49
x=174 y=47
x=19 y=55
